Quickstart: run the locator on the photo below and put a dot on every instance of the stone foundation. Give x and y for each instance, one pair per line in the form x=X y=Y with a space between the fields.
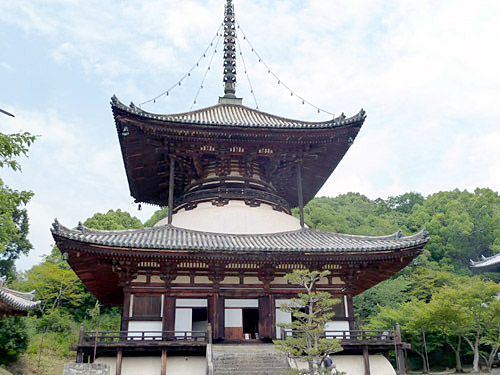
x=86 y=369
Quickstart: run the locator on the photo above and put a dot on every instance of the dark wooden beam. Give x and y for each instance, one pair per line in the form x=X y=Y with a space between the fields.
x=171 y=190
x=300 y=194
x=125 y=311
x=265 y=318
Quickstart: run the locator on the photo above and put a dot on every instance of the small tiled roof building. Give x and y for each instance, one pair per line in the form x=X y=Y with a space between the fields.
x=13 y=302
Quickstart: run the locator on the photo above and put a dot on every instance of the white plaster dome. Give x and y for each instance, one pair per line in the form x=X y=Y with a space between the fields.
x=234 y=218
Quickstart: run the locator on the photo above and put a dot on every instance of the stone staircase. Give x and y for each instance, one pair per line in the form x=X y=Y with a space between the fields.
x=248 y=359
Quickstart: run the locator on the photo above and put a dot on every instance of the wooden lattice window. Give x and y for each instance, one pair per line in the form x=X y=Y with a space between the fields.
x=146 y=306
x=339 y=308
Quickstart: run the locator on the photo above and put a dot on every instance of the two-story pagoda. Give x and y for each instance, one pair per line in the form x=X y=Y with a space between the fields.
x=229 y=175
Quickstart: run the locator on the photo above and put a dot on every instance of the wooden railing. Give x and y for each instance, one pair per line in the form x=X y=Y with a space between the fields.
x=103 y=337
x=354 y=336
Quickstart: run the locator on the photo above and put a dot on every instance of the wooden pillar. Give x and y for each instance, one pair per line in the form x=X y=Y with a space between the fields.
x=79 y=353
x=216 y=314
x=366 y=360
x=164 y=361
x=119 y=362
x=265 y=319
x=125 y=311
x=300 y=196
x=171 y=182
x=350 y=311
x=168 y=319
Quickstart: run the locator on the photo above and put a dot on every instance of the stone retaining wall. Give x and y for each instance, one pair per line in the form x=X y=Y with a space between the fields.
x=86 y=369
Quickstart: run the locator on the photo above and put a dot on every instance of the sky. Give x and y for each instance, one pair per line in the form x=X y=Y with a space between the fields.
x=427 y=73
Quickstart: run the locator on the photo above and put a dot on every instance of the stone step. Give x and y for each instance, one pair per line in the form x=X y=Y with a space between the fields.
x=248 y=359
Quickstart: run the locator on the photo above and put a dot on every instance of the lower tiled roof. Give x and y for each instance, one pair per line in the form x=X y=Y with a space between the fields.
x=168 y=237
x=14 y=301
x=487 y=262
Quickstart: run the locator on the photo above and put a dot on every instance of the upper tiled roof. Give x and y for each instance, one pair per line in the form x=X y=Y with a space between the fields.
x=239 y=116
x=487 y=262
x=12 y=301
x=168 y=237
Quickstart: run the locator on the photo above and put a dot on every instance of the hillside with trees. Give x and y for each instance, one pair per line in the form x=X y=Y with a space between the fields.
x=437 y=294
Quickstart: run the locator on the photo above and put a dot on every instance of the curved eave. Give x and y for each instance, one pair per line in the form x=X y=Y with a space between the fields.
x=233 y=116
x=16 y=302
x=170 y=238
x=487 y=263
x=92 y=254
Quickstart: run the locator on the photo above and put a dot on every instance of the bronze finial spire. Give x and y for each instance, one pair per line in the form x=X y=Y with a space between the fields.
x=229 y=57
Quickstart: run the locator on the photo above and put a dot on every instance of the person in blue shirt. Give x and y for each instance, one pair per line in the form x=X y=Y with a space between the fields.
x=328 y=362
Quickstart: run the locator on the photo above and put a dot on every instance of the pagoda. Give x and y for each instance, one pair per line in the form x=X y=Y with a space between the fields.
x=213 y=270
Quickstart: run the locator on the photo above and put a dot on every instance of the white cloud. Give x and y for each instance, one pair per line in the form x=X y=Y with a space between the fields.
x=72 y=173
x=5 y=65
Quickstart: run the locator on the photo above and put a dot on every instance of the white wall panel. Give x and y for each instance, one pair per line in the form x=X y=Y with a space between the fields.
x=281 y=316
x=235 y=217
x=241 y=303
x=183 y=320
x=233 y=318
x=187 y=302
x=149 y=327
x=336 y=326
x=182 y=365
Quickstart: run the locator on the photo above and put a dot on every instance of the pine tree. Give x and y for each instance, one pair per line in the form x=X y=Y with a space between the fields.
x=311 y=310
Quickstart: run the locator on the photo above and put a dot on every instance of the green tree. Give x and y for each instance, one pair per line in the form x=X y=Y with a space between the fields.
x=12 y=146
x=14 y=227
x=446 y=322
x=404 y=203
x=352 y=213
x=408 y=315
x=113 y=220
x=311 y=311
x=157 y=216
x=391 y=293
x=56 y=285
x=491 y=339
x=462 y=226
x=13 y=338
x=475 y=309
x=13 y=217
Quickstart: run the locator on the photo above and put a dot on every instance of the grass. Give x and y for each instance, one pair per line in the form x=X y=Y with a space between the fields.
x=51 y=363
x=55 y=353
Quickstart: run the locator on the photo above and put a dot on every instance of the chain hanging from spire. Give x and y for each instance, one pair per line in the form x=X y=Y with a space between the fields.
x=229 y=52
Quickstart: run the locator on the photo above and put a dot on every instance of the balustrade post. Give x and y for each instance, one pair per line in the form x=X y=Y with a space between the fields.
x=400 y=357
x=79 y=352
